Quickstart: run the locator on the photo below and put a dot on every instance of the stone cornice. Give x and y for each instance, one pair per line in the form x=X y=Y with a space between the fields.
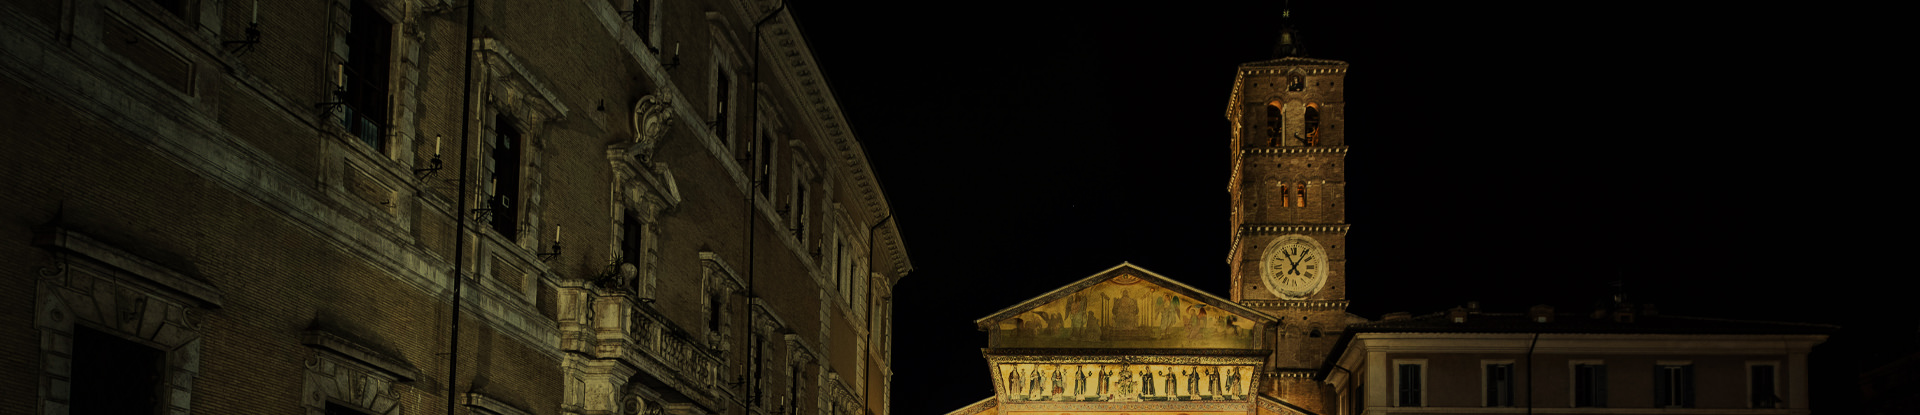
x=1295 y=304
x=489 y=405
x=1339 y=150
x=1278 y=229
x=150 y=272
x=795 y=63
x=340 y=346
x=1243 y=357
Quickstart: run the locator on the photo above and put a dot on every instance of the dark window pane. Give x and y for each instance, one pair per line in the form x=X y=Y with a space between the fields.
x=365 y=90
x=112 y=375
x=506 y=173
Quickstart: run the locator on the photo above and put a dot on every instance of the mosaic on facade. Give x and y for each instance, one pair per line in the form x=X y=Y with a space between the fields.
x=1099 y=382
x=1126 y=312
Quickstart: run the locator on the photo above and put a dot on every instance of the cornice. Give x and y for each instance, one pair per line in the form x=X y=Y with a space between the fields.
x=1280 y=229
x=795 y=62
x=331 y=343
x=1293 y=304
x=1252 y=358
x=1340 y=150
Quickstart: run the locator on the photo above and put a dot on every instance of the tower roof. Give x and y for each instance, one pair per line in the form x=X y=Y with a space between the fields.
x=1287 y=43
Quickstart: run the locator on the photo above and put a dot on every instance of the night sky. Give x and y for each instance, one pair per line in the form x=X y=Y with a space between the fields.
x=1721 y=162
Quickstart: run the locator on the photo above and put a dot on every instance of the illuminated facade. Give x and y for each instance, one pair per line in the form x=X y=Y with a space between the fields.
x=224 y=206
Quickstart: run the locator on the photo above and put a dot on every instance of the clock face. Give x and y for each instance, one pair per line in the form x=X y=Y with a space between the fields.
x=1294 y=267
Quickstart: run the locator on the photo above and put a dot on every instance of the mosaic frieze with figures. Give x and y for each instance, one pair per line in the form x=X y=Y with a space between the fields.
x=1098 y=382
x=1126 y=312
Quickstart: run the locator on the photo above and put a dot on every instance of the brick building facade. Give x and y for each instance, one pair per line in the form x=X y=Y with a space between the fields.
x=221 y=206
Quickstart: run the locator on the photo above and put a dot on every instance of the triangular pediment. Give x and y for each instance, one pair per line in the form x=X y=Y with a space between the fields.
x=1126 y=307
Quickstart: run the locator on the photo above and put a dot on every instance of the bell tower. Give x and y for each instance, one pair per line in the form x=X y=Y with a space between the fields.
x=1289 y=208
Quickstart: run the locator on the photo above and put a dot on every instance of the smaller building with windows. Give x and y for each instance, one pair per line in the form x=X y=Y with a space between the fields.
x=1623 y=358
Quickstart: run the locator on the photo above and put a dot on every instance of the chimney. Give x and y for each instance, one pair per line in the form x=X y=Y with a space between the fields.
x=1397 y=316
x=1457 y=315
x=1540 y=313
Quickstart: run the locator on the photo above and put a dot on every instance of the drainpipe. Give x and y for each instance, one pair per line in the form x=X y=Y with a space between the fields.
x=1530 y=345
x=866 y=387
x=460 y=235
x=753 y=220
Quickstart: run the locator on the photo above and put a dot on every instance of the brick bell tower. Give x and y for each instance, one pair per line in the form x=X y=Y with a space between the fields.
x=1289 y=209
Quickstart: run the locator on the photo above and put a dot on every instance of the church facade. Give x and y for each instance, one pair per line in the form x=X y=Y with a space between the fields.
x=1127 y=341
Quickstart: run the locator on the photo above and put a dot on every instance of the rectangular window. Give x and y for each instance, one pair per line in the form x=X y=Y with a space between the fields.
x=113 y=375
x=1673 y=386
x=503 y=187
x=363 y=78
x=1499 y=378
x=793 y=389
x=1590 y=385
x=630 y=246
x=1409 y=384
x=722 y=93
x=763 y=165
x=336 y=409
x=642 y=15
x=799 y=210
x=1761 y=387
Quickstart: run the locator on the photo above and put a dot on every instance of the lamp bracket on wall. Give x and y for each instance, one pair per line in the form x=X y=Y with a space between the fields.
x=246 y=44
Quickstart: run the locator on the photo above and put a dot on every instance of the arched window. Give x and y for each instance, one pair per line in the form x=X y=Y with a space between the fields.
x=1283 y=195
x=1300 y=193
x=1311 y=125
x=1273 y=125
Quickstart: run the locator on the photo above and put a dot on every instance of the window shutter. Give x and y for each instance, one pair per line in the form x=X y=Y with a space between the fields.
x=1662 y=387
x=1686 y=386
x=1600 y=386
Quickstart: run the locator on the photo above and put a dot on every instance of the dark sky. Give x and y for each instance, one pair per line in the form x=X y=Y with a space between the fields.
x=1727 y=163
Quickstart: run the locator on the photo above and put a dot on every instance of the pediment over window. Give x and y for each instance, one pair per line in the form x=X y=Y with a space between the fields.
x=1126 y=307
x=513 y=86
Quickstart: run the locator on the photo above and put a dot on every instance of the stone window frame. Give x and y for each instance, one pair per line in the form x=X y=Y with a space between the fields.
x=725 y=59
x=1779 y=401
x=1573 y=383
x=346 y=373
x=768 y=328
x=643 y=186
x=718 y=281
x=1512 y=376
x=798 y=356
x=1692 y=392
x=800 y=212
x=510 y=87
x=651 y=39
x=767 y=126
x=150 y=303
x=403 y=77
x=1395 y=378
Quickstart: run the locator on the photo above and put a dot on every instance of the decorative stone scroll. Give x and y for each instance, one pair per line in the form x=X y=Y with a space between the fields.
x=652 y=119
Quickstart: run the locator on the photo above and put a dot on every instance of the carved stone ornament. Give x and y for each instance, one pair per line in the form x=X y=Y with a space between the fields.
x=652 y=118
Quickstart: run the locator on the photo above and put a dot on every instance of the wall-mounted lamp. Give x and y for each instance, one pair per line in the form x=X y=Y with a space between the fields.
x=549 y=256
x=669 y=65
x=424 y=173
